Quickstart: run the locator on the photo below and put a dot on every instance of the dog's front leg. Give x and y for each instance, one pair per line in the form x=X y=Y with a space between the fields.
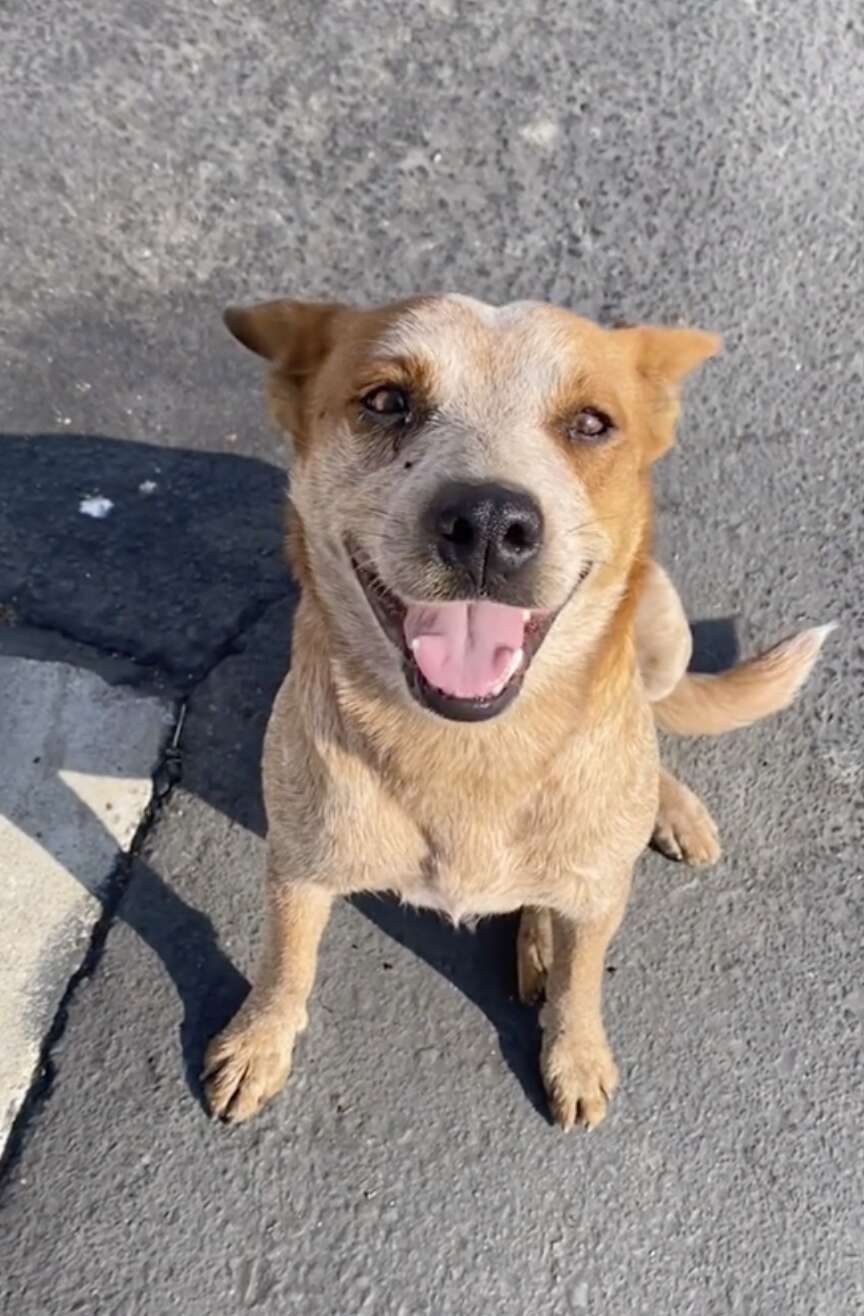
x=579 y=1072
x=248 y=1062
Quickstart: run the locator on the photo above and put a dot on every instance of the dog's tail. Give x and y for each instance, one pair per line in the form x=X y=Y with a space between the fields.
x=702 y=705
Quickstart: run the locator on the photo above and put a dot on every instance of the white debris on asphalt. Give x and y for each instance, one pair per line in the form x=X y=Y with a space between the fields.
x=147 y=487
x=95 y=505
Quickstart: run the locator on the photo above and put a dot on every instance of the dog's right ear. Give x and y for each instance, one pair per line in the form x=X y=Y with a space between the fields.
x=296 y=337
x=293 y=335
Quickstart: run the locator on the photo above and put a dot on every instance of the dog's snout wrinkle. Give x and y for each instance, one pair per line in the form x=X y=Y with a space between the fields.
x=486 y=531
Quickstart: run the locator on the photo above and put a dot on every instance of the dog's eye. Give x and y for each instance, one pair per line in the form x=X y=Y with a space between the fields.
x=386 y=403
x=590 y=426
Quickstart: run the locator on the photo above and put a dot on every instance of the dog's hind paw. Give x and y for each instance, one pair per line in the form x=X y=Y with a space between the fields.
x=684 y=830
x=533 y=953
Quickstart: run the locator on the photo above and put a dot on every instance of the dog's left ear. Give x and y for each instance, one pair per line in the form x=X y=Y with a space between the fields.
x=293 y=335
x=663 y=356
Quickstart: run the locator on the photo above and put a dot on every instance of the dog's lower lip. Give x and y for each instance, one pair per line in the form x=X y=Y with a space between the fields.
x=390 y=611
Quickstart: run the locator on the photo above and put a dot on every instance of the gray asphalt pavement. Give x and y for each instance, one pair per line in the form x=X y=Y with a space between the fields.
x=662 y=160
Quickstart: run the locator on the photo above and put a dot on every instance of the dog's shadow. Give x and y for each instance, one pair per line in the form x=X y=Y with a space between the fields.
x=185 y=573
x=481 y=962
x=715 y=645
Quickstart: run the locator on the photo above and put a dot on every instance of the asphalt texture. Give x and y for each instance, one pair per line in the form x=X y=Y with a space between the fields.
x=696 y=162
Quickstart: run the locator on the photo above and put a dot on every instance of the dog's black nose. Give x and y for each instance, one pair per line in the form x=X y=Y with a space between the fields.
x=485 y=530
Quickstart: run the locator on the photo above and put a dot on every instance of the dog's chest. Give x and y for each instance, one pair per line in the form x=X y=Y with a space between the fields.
x=465 y=882
x=562 y=846
x=474 y=868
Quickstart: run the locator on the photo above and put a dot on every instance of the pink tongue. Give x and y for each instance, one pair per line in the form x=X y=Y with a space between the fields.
x=464 y=649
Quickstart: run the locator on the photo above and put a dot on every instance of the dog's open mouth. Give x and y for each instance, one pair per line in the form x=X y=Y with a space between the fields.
x=464 y=660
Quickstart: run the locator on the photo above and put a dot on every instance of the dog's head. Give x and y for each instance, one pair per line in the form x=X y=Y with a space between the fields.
x=470 y=481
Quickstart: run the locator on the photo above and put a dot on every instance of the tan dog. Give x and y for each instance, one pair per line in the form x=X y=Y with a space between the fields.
x=465 y=722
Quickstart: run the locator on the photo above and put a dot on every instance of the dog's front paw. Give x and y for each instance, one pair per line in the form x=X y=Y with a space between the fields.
x=580 y=1077
x=684 y=830
x=246 y=1065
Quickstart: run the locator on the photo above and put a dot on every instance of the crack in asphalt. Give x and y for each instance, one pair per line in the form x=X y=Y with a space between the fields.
x=166 y=775
x=168 y=772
